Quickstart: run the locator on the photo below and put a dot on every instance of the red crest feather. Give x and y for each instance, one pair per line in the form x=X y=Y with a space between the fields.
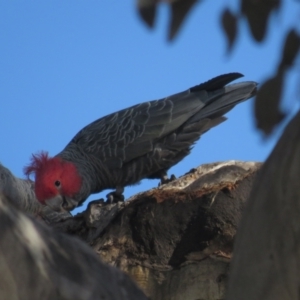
x=37 y=163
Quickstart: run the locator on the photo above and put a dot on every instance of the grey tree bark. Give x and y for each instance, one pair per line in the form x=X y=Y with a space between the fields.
x=267 y=251
x=38 y=263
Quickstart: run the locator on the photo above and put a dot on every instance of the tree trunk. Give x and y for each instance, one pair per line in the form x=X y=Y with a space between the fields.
x=175 y=241
x=267 y=251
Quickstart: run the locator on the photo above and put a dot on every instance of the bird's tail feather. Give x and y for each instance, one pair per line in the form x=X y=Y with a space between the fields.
x=231 y=96
x=216 y=82
x=192 y=132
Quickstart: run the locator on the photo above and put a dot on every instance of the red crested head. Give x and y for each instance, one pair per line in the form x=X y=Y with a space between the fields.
x=53 y=176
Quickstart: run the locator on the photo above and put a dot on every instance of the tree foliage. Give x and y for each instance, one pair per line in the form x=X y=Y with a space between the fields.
x=257 y=13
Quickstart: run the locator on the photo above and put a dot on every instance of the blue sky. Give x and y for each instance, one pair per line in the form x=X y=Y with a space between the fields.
x=64 y=64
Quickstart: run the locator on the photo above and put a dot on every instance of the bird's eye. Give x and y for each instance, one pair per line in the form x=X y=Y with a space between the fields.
x=57 y=183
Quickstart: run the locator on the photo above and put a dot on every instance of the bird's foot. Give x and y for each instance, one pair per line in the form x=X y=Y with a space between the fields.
x=116 y=196
x=164 y=179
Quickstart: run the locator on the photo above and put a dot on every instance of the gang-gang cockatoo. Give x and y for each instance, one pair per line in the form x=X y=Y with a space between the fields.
x=142 y=141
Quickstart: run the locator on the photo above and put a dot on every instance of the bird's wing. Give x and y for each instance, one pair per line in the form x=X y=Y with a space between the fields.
x=132 y=132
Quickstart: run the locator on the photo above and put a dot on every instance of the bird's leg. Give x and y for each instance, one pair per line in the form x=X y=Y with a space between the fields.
x=165 y=179
x=116 y=196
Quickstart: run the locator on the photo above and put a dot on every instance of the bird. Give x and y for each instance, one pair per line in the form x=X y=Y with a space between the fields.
x=21 y=195
x=142 y=141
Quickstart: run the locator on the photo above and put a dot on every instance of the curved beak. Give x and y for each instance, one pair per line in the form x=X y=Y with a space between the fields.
x=61 y=203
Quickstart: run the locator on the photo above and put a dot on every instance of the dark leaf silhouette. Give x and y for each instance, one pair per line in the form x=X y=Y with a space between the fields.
x=180 y=9
x=229 y=24
x=147 y=10
x=290 y=50
x=267 y=112
x=267 y=102
x=258 y=13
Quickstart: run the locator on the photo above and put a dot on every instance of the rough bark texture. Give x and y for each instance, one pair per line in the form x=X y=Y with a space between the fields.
x=267 y=250
x=38 y=263
x=175 y=241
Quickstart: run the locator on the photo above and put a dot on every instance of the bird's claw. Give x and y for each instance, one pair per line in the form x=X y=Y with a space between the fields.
x=165 y=179
x=114 y=197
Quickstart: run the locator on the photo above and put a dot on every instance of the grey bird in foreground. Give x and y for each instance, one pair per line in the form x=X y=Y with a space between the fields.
x=142 y=141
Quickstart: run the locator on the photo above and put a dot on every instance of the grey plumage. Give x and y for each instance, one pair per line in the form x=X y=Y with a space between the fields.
x=145 y=140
